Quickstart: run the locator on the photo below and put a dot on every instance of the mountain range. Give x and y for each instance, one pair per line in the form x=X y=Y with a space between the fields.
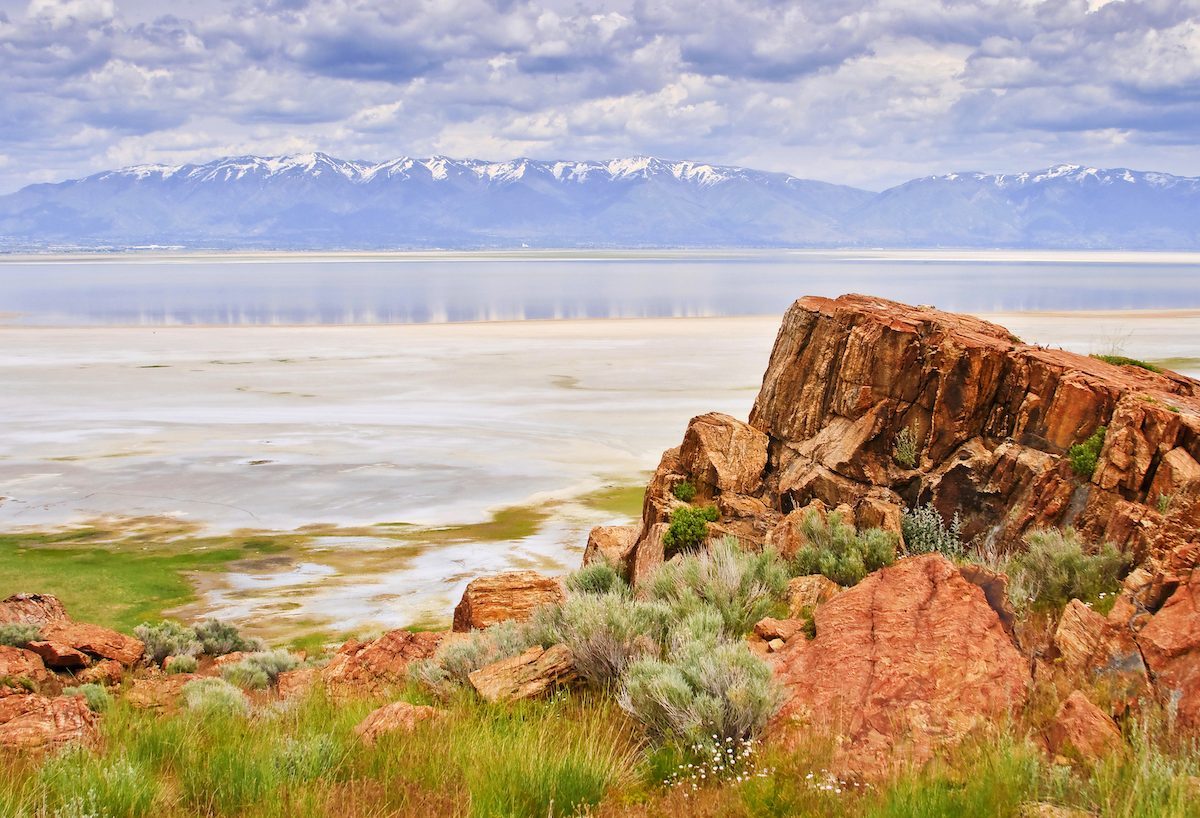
x=315 y=201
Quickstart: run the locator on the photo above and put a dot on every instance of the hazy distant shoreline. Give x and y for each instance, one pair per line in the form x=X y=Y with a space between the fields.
x=602 y=254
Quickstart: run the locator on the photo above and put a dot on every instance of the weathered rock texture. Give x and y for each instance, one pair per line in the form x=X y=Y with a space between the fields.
x=529 y=675
x=1082 y=730
x=22 y=669
x=63 y=642
x=35 y=722
x=1087 y=647
x=1171 y=645
x=369 y=667
x=32 y=609
x=397 y=716
x=511 y=595
x=908 y=661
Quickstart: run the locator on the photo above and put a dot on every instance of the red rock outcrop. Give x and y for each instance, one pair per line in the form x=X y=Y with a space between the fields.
x=94 y=640
x=910 y=660
x=32 y=609
x=60 y=656
x=65 y=642
x=19 y=666
x=1081 y=729
x=511 y=595
x=611 y=544
x=1088 y=647
x=370 y=667
x=36 y=722
x=536 y=672
x=992 y=419
x=397 y=716
x=1171 y=646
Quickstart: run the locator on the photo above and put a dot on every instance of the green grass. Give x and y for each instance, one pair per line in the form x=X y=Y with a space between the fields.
x=1122 y=360
x=571 y=755
x=1178 y=363
x=553 y=758
x=624 y=501
x=139 y=580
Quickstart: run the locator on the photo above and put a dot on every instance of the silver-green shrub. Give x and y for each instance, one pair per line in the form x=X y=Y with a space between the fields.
x=167 y=638
x=925 y=532
x=1058 y=567
x=18 y=634
x=214 y=698
x=604 y=632
x=218 y=638
x=597 y=578
x=96 y=696
x=180 y=664
x=840 y=552
x=703 y=691
x=741 y=586
x=456 y=659
x=259 y=670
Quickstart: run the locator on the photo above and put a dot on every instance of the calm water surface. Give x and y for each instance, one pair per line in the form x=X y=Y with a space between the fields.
x=481 y=287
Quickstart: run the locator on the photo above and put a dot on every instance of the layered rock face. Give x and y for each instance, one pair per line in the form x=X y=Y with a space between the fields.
x=991 y=420
x=909 y=660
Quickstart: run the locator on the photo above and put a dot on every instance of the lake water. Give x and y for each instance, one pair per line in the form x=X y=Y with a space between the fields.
x=433 y=288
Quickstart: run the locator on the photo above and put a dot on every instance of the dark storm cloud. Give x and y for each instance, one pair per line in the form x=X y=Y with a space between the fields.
x=864 y=91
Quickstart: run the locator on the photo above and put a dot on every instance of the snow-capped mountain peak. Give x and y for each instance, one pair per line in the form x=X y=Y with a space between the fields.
x=314 y=200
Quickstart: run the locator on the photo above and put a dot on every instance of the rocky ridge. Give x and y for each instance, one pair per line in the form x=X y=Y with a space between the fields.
x=919 y=653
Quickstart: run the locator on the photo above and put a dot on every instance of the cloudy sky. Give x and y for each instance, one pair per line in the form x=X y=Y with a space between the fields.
x=866 y=92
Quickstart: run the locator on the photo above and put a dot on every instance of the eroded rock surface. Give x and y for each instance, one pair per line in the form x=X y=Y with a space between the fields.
x=908 y=661
x=397 y=716
x=1082 y=731
x=32 y=609
x=511 y=595
x=529 y=675
x=22 y=669
x=35 y=722
x=93 y=640
x=1171 y=646
x=367 y=667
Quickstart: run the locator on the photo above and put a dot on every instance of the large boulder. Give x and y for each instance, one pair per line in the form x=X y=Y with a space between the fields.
x=158 y=691
x=371 y=667
x=1082 y=731
x=93 y=640
x=23 y=670
x=60 y=656
x=1087 y=647
x=612 y=544
x=37 y=722
x=910 y=660
x=32 y=609
x=722 y=454
x=1171 y=645
x=529 y=675
x=394 y=717
x=511 y=595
